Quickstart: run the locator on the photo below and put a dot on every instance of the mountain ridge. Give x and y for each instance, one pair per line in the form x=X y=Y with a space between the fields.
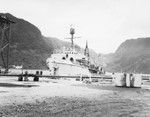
x=133 y=55
x=29 y=47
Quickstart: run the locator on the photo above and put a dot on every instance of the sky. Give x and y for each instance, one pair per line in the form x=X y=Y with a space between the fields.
x=105 y=24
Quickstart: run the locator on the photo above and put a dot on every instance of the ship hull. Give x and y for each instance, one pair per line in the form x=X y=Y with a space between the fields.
x=64 y=69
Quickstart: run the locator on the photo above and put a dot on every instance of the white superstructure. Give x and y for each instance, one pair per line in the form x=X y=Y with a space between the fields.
x=68 y=61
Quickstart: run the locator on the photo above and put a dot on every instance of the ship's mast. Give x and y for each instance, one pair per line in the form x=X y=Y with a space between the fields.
x=72 y=32
x=86 y=52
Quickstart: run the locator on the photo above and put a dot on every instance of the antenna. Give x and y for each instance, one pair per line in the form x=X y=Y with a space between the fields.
x=72 y=32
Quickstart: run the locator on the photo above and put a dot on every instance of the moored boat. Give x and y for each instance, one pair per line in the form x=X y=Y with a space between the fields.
x=69 y=61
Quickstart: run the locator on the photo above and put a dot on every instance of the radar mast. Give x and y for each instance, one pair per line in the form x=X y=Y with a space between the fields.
x=72 y=32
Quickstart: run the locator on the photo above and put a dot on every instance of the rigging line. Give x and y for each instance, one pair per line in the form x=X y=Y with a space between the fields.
x=4 y=47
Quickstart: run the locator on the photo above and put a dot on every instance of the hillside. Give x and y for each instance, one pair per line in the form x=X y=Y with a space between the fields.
x=131 y=56
x=30 y=48
x=27 y=45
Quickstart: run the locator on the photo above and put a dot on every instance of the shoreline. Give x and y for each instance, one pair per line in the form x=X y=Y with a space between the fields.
x=61 y=98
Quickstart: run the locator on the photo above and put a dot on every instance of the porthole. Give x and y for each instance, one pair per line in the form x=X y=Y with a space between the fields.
x=71 y=59
x=63 y=58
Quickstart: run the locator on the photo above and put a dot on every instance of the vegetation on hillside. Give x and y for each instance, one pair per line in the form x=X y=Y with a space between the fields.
x=30 y=48
x=131 y=56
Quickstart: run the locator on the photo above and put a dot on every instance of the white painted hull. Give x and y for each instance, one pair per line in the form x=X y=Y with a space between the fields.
x=64 y=69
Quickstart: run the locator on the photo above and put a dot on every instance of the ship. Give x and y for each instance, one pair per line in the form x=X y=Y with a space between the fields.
x=68 y=61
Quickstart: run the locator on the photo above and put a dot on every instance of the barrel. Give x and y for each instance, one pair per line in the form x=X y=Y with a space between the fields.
x=120 y=80
x=137 y=80
x=128 y=80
